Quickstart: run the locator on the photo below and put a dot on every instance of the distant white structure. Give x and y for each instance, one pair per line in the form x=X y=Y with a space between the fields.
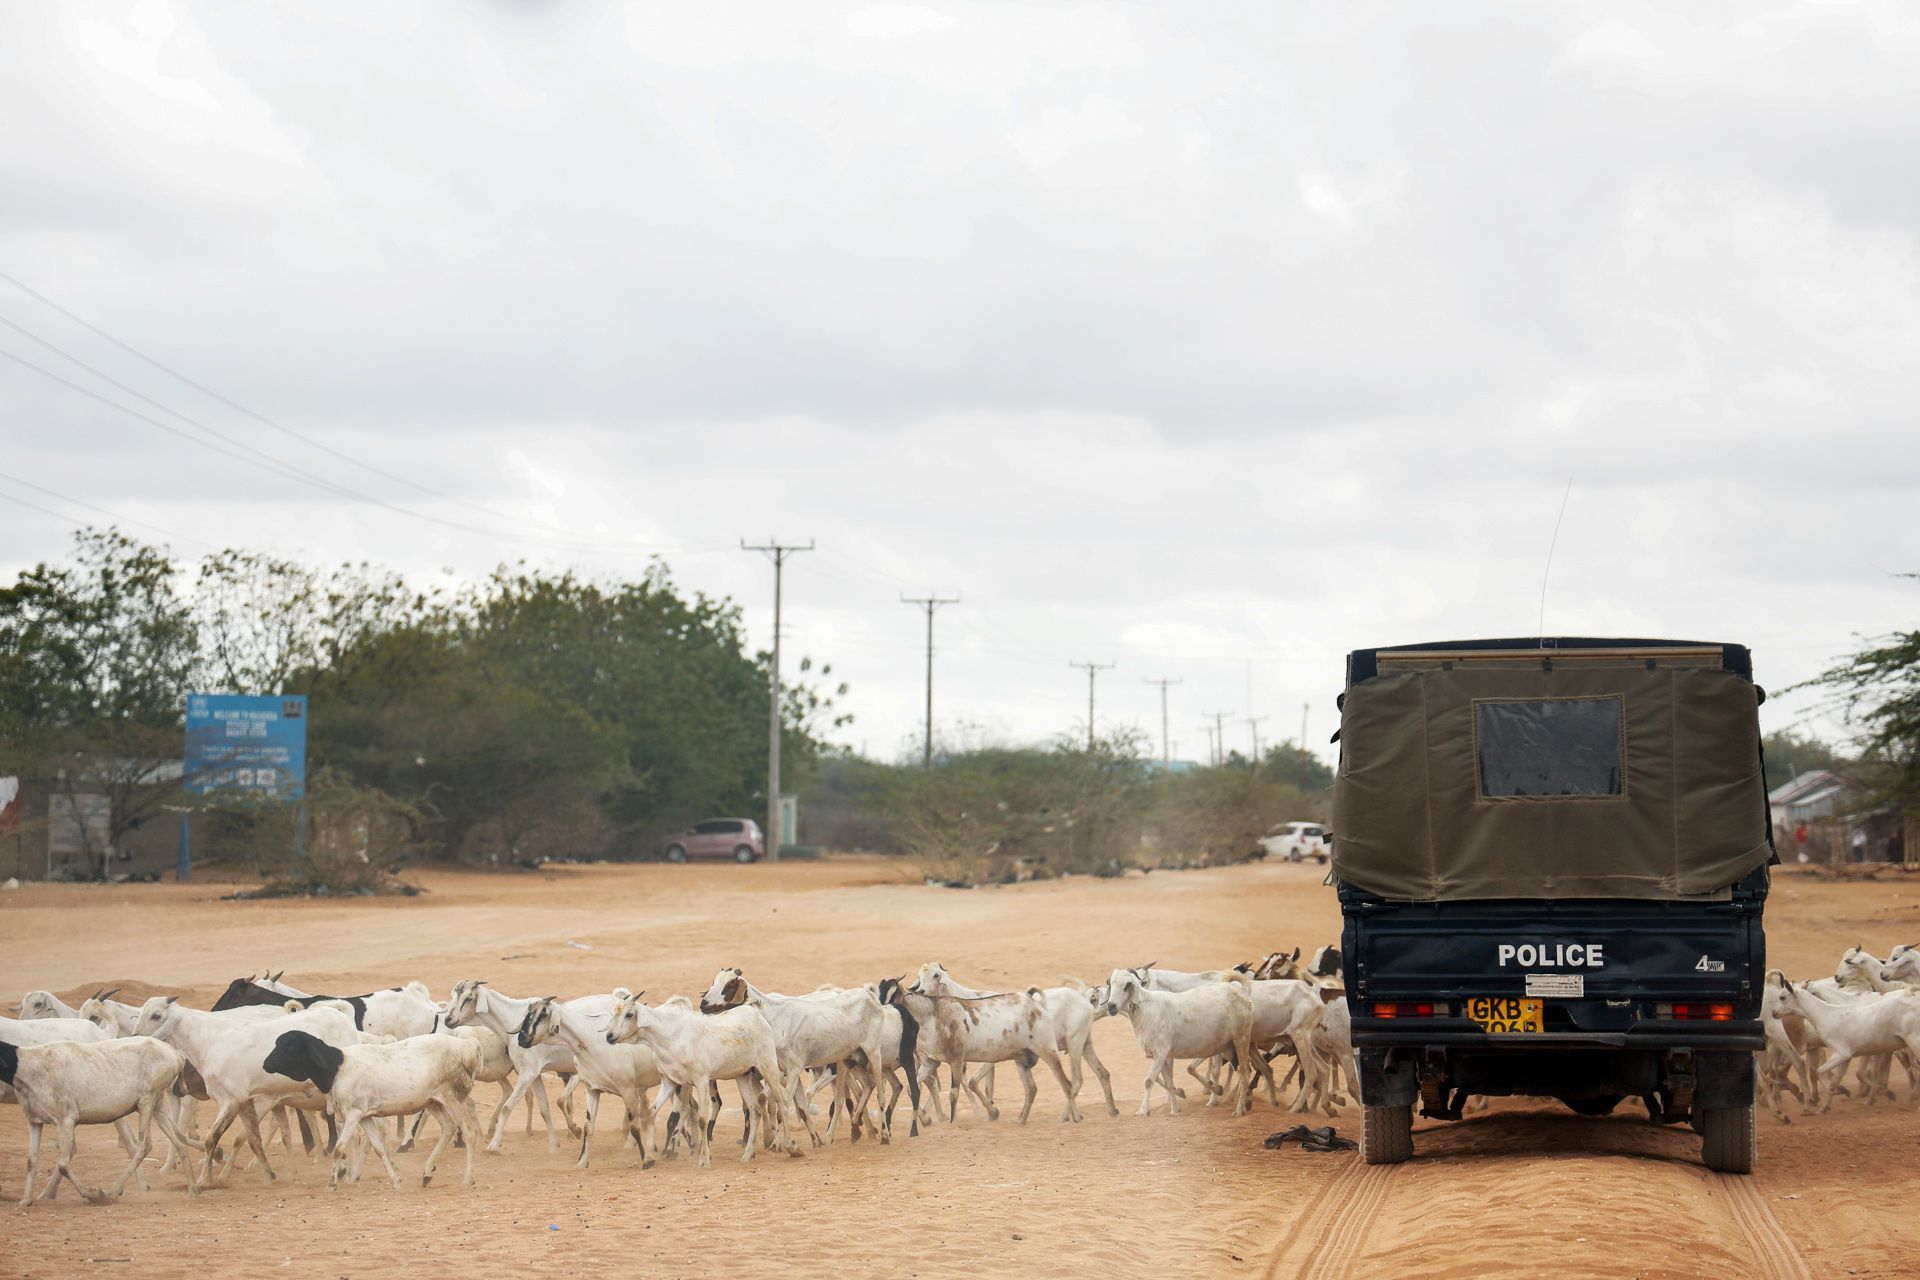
x=1819 y=793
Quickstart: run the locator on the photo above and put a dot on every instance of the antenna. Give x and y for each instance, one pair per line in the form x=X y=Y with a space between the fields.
x=1541 y=629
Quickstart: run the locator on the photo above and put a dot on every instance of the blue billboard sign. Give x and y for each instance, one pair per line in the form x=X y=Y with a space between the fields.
x=249 y=746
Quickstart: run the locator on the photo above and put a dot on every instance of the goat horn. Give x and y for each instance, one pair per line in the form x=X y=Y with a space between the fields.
x=108 y=994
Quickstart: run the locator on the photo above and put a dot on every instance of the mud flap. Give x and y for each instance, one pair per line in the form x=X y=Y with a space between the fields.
x=1388 y=1078
x=1722 y=1081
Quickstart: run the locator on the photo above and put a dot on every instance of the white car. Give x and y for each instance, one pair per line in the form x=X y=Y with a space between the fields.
x=1296 y=840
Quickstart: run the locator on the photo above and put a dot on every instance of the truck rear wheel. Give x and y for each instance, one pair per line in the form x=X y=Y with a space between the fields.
x=1386 y=1134
x=1727 y=1139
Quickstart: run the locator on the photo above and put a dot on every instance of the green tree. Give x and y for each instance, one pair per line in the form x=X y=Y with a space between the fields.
x=1789 y=754
x=667 y=674
x=260 y=620
x=95 y=662
x=1297 y=767
x=1878 y=691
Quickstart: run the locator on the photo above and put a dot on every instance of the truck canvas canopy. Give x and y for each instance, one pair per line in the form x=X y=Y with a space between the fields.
x=1601 y=771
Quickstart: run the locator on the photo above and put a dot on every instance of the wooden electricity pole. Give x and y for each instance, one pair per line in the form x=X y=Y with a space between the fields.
x=929 y=603
x=1166 y=749
x=778 y=552
x=1093 y=669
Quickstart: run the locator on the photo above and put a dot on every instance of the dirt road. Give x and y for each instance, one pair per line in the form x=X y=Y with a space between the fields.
x=1526 y=1189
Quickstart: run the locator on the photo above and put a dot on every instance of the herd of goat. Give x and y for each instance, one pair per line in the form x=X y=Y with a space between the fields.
x=1866 y=1015
x=269 y=1053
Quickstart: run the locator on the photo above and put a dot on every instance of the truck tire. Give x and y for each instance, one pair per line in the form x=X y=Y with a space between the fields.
x=1386 y=1134
x=1727 y=1139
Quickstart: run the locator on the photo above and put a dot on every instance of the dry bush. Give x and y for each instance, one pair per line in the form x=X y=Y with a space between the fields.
x=356 y=840
x=1210 y=816
x=1002 y=814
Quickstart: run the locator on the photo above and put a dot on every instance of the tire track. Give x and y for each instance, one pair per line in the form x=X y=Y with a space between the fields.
x=1326 y=1238
x=1774 y=1252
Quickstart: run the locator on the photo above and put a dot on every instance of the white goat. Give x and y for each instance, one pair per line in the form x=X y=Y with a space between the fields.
x=833 y=1027
x=229 y=1054
x=1872 y=1024
x=67 y=1083
x=45 y=1004
x=1154 y=978
x=696 y=1049
x=627 y=1071
x=1073 y=1016
x=1197 y=1023
x=1786 y=1053
x=1015 y=1027
x=496 y=1067
x=22 y=1032
x=475 y=1001
x=364 y=1082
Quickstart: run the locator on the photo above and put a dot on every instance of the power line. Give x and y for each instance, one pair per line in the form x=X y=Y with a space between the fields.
x=111 y=515
x=266 y=462
x=778 y=552
x=1093 y=669
x=1166 y=748
x=237 y=407
x=930 y=603
x=262 y=460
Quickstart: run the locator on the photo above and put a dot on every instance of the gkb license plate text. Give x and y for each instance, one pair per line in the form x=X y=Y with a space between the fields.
x=1503 y=1015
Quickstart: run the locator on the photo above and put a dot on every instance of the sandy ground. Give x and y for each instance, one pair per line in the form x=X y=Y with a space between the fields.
x=1527 y=1189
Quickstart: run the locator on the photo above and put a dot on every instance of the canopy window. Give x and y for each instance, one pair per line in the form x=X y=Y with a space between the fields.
x=1549 y=748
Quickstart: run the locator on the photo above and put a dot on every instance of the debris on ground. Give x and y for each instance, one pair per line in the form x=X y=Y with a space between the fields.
x=1325 y=1138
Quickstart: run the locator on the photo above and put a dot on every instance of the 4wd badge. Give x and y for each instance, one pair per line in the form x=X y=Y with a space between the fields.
x=1711 y=966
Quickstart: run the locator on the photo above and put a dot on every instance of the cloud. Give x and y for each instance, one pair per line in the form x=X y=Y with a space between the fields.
x=1212 y=341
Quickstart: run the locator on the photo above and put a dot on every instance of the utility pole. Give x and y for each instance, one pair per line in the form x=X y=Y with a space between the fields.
x=1092 y=669
x=1213 y=756
x=1253 y=731
x=1219 y=719
x=1166 y=749
x=1305 y=707
x=778 y=552
x=929 y=603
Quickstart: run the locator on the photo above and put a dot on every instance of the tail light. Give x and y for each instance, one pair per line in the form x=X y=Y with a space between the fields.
x=1697 y=1012
x=1401 y=1009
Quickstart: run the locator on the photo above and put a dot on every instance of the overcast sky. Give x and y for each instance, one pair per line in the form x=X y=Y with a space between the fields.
x=1207 y=340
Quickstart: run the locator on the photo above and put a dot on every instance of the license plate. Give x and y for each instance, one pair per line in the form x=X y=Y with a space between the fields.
x=1503 y=1015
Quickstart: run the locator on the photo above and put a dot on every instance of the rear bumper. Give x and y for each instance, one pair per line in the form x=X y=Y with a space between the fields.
x=1464 y=1033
